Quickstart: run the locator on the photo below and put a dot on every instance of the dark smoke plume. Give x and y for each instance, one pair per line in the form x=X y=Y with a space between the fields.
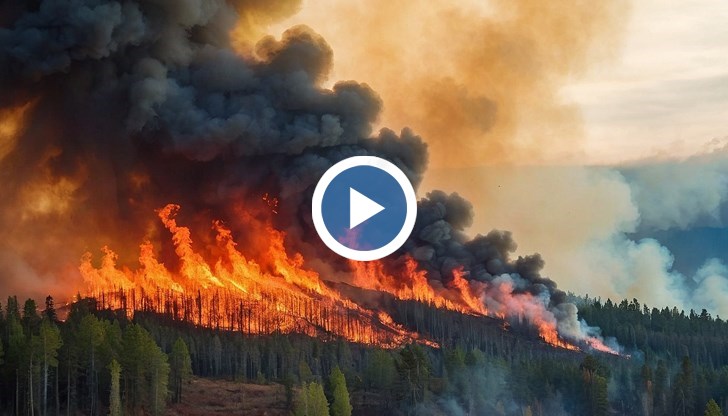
x=135 y=104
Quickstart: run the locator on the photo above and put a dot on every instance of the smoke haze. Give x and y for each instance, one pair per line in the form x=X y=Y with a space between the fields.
x=479 y=80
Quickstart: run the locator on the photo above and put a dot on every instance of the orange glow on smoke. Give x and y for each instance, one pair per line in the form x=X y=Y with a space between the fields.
x=12 y=123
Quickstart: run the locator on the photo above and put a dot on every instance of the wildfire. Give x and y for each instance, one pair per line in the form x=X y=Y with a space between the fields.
x=235 y=293
x=412 y=284
x=275 y=293
x=467 y=296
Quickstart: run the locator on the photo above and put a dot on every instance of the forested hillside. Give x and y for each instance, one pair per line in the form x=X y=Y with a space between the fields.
x=683 y=355
x=99 y=362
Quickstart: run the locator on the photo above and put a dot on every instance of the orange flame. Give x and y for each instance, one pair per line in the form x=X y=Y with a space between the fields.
x=235 y=293
x=466 y=291
x=412 y=284
x=466 y=296
x=275 y=293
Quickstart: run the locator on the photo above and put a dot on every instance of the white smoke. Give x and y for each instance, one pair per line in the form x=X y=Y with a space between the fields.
x=679 y=195
x=583 y=221
x=712 y=289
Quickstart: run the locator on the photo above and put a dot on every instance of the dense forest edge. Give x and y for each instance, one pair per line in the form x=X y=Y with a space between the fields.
x=99 y=362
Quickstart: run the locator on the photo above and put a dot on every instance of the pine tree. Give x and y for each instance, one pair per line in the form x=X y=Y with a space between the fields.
x=647 y=392
x=159 y=371
x=2 y=354
x=115 y=394
x=50 y=309
x=317 y=403
x=474 y=357
x=12 y=308
x=29 y=363
x=661 y=389
x=712 y=409
x=180 y=367
x=145 y=370
x=594 y=375
x=312 y=401
x=340 y=405
x=301 y=405
x=413 y=368
x=49 y=343
x=30 y=316
x=32 y=365
x=454 y=361
x=381 y=372
x=684 y=391
x=89 y=338
x=599 y=397
x=17 y=346
x=304 y=372
x=2 y=322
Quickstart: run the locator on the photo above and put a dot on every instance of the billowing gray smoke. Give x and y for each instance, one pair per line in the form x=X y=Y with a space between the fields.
x=439 y=242
x=136 y=104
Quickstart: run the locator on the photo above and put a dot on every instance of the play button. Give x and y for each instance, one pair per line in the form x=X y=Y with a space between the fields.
x=364 y=208
x=361 y=208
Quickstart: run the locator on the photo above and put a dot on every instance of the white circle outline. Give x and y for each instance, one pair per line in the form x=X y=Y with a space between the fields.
x=397 y=241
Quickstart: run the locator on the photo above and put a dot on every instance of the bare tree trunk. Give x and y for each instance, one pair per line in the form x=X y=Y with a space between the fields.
x=68 y=387
x=57 y=392
x=93 y=387
x=155 y=384
x=45 y=388
x=17 y=392
x=30 y=385
x=43 y=410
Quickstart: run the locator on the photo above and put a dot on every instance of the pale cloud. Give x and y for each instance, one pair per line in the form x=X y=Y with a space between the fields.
x=667 y=95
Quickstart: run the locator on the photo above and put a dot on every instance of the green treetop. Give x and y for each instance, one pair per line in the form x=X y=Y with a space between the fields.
x=340 y=405
x=312 y=401
x=180 y=365
x=712 y=409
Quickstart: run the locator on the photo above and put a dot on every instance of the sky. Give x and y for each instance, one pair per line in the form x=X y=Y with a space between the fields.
x=594 y=132
x=666 y=93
